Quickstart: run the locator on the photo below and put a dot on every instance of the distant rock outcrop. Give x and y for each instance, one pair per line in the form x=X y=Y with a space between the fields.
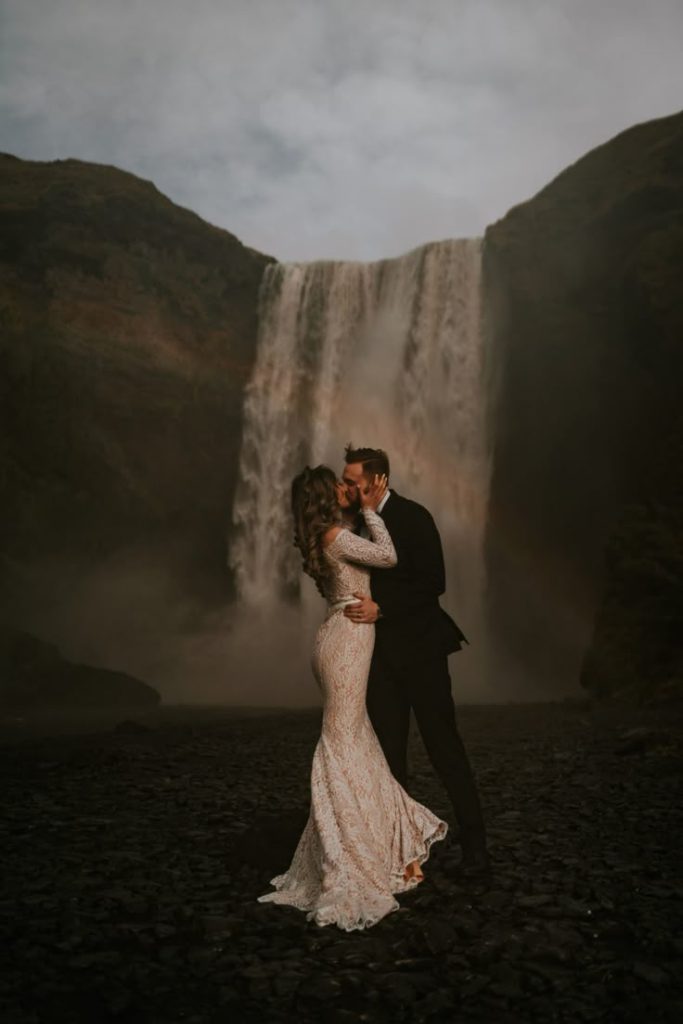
x=34 y=675
x=585 y=308
x=128 y=332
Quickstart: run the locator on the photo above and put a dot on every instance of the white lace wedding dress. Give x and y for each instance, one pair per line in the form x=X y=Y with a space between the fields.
x=363 y=828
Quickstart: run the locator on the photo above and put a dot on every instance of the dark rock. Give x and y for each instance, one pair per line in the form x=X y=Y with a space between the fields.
x=473 y=985
x=415 y=963
x=259 y=989
x=533 y=902
x=564 y=936
x=574 y=909
x=506 y=981
x=130 y=726
x=435 y=1004
x=423 y=981
x=399 y=987
x=129 y=334
x=635 y=741
x=320 y=987
x=342 y=1015
x=111 y=885
x=227 y=994
x=439 y=936
x=256 y=972
x=22 y=654
x=269 y=842
x=286 y=984
x=218 y=927
x=118 y=1001
x=34 y=675
x=583 y=301
x=137 y=906
x=494 y=900
x=650 y=973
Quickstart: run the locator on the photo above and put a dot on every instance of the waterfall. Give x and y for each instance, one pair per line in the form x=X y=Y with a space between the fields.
x=385 y=354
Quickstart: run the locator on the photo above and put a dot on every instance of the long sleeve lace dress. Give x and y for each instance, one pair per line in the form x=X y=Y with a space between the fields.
x=363 y=828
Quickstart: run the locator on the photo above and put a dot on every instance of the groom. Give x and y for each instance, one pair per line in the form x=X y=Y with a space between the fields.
x=413 y=638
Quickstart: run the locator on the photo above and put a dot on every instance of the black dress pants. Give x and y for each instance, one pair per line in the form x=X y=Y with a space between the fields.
x=394 y=686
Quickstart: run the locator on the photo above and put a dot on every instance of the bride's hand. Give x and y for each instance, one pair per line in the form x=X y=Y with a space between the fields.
x=371 y=494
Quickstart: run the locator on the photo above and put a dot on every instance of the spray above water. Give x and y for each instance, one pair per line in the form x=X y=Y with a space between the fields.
x=384 y=354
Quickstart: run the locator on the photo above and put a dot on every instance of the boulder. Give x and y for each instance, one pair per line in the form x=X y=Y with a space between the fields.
x=34 y=676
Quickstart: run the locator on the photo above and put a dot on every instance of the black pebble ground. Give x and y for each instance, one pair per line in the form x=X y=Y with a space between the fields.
x=133 y=856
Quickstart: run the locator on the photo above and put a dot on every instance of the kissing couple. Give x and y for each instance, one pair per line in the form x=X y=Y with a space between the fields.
x=382 y=649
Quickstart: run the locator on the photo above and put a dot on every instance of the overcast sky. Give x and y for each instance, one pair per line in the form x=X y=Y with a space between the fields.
x=349 y=129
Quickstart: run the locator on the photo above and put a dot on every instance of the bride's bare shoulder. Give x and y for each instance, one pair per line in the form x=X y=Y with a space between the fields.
x=331 y=535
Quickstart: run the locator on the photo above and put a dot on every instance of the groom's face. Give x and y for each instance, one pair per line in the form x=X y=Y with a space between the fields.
x=353 y=476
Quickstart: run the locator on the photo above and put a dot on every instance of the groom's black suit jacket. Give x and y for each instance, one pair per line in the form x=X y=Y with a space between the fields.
x=413 y=624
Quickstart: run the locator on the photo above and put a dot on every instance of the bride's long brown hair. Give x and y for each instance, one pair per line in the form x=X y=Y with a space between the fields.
x=315 y=509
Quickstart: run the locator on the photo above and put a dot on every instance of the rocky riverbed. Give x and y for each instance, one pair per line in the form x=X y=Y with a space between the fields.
x=134 y=853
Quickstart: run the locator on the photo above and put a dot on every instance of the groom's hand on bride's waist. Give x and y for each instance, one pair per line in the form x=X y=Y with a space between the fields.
x=366 y=610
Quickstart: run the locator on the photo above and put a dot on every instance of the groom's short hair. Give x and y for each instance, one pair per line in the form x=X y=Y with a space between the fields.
x=374 y=460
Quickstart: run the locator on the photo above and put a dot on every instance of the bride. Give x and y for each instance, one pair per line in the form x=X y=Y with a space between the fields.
x=365 y=837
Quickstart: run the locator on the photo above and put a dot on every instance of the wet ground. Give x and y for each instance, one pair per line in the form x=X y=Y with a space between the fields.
x=133 y=858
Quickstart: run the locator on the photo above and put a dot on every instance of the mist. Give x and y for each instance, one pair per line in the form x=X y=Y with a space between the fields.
x=133 y=615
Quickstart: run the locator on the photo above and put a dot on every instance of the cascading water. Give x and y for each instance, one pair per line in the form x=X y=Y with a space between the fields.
x=384 y=354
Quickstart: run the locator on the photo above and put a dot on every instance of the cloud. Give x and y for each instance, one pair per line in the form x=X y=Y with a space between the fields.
x=332 y=128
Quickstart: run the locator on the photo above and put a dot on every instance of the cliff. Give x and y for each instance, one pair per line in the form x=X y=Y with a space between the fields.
x=585 y=353
x=128 y=332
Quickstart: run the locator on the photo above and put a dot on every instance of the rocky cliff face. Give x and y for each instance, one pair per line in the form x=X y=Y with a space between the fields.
x=128 y=332
x=585 y=354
